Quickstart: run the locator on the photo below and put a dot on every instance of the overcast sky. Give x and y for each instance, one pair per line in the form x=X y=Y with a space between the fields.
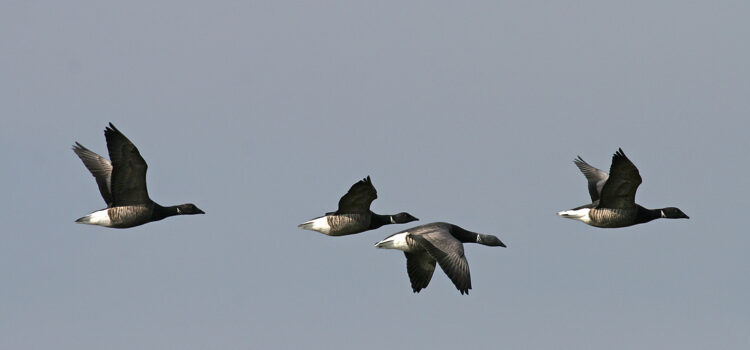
x=264 y=114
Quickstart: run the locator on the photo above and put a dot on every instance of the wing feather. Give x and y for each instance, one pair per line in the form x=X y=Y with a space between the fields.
x=359 y=198
x=420 y=267
x=128 y=169
x=449 y=253
x=99 y=167
x=596 y=177
x=619 y=190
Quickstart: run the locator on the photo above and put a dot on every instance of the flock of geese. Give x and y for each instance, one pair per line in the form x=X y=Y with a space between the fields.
x=122 y=184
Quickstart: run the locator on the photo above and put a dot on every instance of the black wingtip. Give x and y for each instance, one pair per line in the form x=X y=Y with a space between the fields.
x=619 y=154
x=111 y=128
x=79 y=149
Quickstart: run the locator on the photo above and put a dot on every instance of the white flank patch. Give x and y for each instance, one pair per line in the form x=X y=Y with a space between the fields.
x=100 y=218
x=318 y=224
x=397 y=241
x=580 y=214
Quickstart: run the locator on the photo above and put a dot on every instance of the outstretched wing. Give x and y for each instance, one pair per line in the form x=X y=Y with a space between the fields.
x=619 y=190
x=596 y=177
x=359 y=198
x=449 y=253
x=128 y=169
x=420 y=267
x=100 y=167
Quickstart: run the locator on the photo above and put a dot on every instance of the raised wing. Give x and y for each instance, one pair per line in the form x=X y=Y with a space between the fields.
x=596 y=178
x=619 y=190
x=449 y=253
x=420 y=267
x=359 y=198
x=128 y=182
x=100 y=167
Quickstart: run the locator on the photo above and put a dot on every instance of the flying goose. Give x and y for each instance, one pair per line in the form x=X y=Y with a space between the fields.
x=439 y=242
x=613 y=197
x=122 y=184
x=354 y=214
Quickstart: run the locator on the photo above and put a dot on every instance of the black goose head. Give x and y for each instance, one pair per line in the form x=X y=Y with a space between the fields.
x=490 y=240
x=402 y=218
x=673 y=213
x=188 y=209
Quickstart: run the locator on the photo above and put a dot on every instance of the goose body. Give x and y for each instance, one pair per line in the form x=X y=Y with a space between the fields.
x=613 y=197
x=441 y=243
x=122 y=184
x=354 y=214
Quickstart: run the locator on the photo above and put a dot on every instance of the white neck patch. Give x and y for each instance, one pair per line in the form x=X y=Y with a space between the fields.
x=392 y=220
x=662 y=213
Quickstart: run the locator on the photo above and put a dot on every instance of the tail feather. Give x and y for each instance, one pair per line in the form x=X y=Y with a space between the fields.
x=306 y=225
x=581 y=214
x=318 y=224
x=385 y=244
x=100 y=218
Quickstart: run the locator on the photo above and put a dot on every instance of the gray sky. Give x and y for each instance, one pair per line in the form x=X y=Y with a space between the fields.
x=263 y=114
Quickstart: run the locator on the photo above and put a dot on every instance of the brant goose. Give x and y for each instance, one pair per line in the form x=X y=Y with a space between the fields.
x=354 y=215
x=439 y=241
x=122 y=183
x=613 y=197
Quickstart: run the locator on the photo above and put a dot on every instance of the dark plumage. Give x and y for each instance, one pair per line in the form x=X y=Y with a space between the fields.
x=354 y=214
x=122 y=184
x=439 y=242
x=613 y=196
